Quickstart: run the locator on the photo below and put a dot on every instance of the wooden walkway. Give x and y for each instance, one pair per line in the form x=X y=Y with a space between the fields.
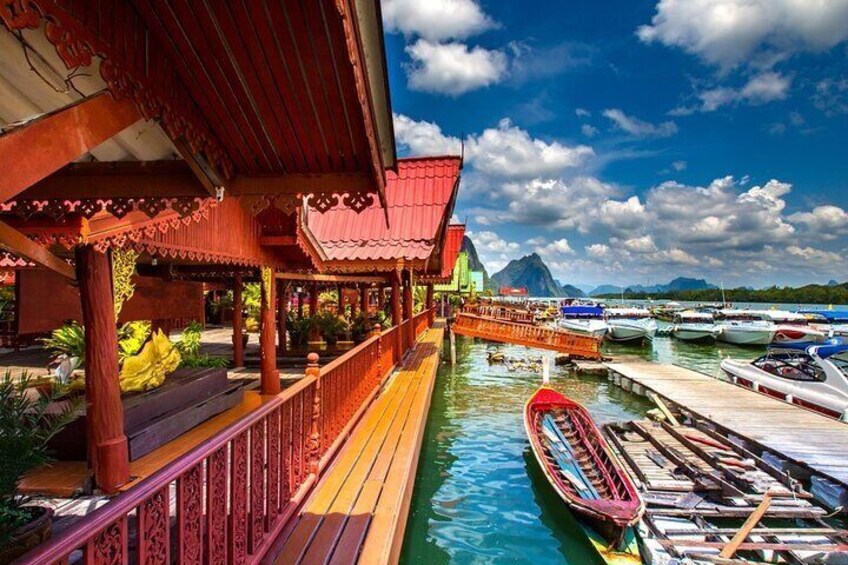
x=805 y=437
x=358 y=510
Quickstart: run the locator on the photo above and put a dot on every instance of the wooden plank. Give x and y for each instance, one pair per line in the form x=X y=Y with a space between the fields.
x=15 y=242
x=44 y=145
x=736 y=542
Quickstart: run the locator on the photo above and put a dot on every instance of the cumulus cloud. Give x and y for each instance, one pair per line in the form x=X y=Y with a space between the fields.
x=436 y=20
x=589 y=130
x=831 y=96
x=598 y=250
x=509 y=151
x=639 y=128
x=553 y=203
x=423 y=137
x=453 y=68
x=729 y=33
x=827 y=222
x=555 y=248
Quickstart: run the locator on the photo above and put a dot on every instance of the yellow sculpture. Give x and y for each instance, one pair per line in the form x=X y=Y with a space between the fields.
x=148 y=369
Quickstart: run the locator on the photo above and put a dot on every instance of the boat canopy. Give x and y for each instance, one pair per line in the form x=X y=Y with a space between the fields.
x=829 y=315
x=627 y=313
x=580 y=311
x=693 y=316
x=832 y=346
x=778 y=316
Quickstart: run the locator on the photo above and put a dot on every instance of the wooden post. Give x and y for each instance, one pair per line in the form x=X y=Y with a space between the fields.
x=407 y=308
x=363 y=298
x=313 y=300
x=282 y=316
x=381 y=298
x=340 y=292
x=270 y=376
x=107 y=447
x=312 y=370
x=300 y=296
x=396 y=316
x=238 y=344
x=429 y=304
x=452 y=347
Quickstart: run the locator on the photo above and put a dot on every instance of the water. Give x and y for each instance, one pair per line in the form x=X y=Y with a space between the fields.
x=479 y=496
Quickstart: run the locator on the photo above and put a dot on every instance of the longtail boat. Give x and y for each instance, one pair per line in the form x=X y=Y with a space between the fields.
x=578 y=463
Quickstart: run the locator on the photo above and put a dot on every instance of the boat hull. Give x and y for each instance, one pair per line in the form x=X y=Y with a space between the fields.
x=616 y=506
x=694 y=332
x=794 y=334
x=594 y=328
x=625 y=330
x=744 y=335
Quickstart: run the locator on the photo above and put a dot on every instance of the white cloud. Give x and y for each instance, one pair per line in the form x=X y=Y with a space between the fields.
x=589 y=130
x=553 y=202
x=679 y=166
x=598 y=250
x=827 y=222
x=768 y=86
x=555 y=248
x=639 y=128
x=453 y=68
x=814 y=256
x=424 y=138
x=583 y=113
x=831 y=96
x=436 y=20
x=643 y=244
x=728 y=33
x=509 y=151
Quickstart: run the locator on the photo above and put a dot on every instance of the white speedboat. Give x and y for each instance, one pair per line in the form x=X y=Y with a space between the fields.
x=791 y=327
x=744 y=327
x=694 y=326
x=629 y=324
x=815 y=376
x=583 y=318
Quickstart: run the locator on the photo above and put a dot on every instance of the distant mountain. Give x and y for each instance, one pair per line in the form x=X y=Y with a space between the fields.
x=832 y=282
x=474 y=262
x=529 y=272
x=605 y=289
x=572 y=291
x=678 y=284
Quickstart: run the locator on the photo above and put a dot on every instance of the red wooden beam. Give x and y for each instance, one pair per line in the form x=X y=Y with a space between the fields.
x=297 y=183
x=14 y=241
x=43 y=146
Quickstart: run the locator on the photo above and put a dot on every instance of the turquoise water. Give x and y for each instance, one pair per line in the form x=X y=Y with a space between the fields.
x=479 y=496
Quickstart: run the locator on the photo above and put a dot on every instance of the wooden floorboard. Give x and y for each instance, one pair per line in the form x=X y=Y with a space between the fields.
x=801 y=435
x=357 y=511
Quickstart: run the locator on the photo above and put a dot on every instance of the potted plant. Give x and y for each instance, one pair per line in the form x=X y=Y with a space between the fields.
x=360 y=326
x=331 y=327
x=298 y=329
x=27 y=422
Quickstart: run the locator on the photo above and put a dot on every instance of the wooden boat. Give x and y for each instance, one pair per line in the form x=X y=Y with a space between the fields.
x=583 y=471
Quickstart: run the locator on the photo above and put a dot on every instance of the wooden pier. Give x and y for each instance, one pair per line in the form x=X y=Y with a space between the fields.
x=358 y=510
x=517 y=333
x=811 y=441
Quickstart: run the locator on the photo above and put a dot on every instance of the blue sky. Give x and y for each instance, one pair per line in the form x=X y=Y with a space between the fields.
x=634 y=141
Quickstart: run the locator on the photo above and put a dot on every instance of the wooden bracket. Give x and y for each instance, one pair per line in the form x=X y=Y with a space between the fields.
x=19 y=244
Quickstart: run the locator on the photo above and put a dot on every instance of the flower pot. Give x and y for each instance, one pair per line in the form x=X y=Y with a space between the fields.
x=28 y=536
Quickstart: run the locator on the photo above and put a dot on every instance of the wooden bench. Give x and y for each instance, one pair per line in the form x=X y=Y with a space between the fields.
x=358 y=510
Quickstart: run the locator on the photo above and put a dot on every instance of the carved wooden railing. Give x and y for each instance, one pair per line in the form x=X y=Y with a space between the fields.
x=235 y=492
x=421 y=322
x=500 y=313
x=531 y=336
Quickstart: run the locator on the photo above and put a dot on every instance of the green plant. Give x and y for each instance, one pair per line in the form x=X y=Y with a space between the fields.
x=68 y=340
x=299 y=328
x=251 y=298
x=27 y=422
x=360 y=325
x=331 y=326
x=189 y=343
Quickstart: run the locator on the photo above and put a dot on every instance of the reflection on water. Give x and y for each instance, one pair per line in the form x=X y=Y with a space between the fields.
x=478 y=497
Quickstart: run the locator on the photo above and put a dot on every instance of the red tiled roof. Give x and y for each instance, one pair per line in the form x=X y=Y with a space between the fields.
x=420 y=199
x=450 y=251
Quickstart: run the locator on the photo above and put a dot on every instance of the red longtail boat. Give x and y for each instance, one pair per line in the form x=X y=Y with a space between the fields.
x=579 y=465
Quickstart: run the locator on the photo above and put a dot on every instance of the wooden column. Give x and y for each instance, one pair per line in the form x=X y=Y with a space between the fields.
x=107 y=444
x=353 y=306
x=396 y=316
x=313 y=300
x=363 y=298
x=238 y=323
x=300 y=296
x=381 y=298
x=407 y=307
x=270 y=376
x=340 y=291
x=429 y=304
x=282 y=315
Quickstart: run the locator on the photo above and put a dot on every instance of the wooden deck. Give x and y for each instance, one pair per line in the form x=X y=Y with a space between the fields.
x=805 y=437
x=358 y=510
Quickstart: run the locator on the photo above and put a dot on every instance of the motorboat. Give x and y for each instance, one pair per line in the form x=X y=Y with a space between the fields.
x=629 y=324
x=666 y=312
x=792 y=327
x=812 y=376
x=584 y=319
x=694 y=326
x=743 y=327
x=832 y=322
x=584 y=473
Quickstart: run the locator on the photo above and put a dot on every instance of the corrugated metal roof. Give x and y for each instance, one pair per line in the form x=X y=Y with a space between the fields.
x=450 y=250
x=417 y=197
